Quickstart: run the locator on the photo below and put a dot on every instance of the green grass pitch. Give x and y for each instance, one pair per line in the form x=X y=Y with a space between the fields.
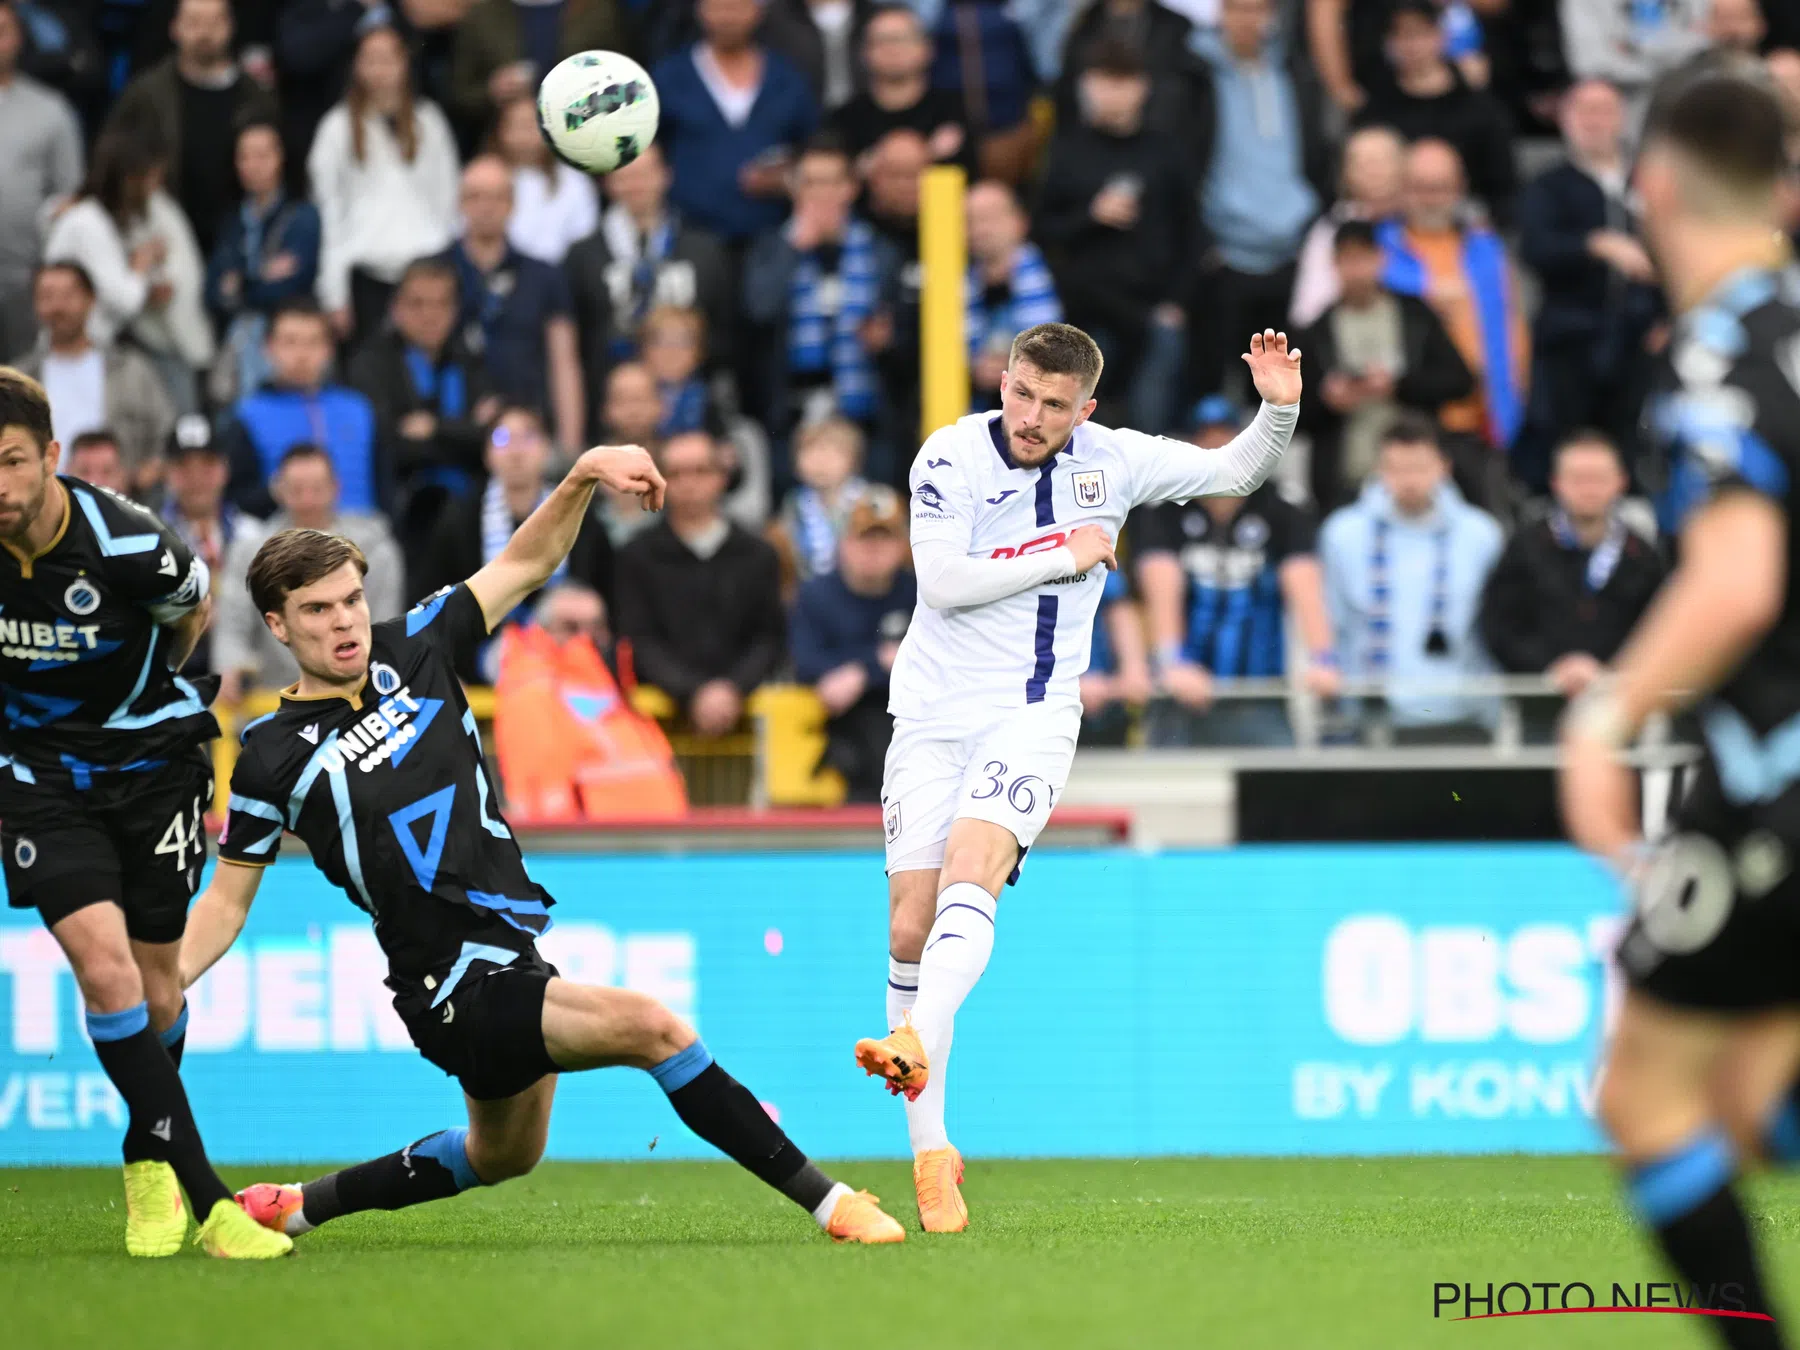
x=1164 y=1252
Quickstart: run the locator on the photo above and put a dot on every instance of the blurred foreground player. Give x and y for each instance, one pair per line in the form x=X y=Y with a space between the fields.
x=1700 y=1071
x=374 y=760
x=1014 y=515
x=104 y=780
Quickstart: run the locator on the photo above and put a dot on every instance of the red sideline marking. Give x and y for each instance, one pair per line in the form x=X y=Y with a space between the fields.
x=1690 y=1312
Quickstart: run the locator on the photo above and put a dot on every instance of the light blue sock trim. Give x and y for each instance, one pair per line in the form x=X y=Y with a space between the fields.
x=1664 y=1190
x=682 y=1067
x=177 y=1028
x=117 y=1026
x=1781 y=1139
x=449 y=1149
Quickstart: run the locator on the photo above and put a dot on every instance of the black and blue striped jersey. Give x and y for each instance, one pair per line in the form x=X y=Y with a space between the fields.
x=390 y=792
x=85 y=684
x=1726 y=417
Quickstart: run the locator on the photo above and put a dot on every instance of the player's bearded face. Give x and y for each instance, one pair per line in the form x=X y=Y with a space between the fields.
x=1040 y=412
x=25 y=473
x=326 y=626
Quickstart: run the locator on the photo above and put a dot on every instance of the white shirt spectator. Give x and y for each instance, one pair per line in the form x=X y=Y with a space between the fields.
x=381 y=212
x=77 y=389
x=552 y=211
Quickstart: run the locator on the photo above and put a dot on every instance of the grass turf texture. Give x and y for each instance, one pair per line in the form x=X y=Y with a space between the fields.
x=1163 y=1252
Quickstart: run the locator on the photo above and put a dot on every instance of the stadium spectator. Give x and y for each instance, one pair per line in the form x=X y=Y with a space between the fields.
x=1404 y=570
x=815 y=285
x=1373 y=172
x=1430 y=97
x=1257 y=196
x=516 y=311
x=1220 y=578
x=1463 y=271
x=383 y=169
x=674 y=348
x=91 y=385
x=299 y=405
x=194 y=475
x=1370 y=355
x=1118 y=678
x=896 y=57
x=1629 y=46
x=1009 y=288
x=137 y=248
x=1736 y=26
x=315 y=48
x=628 y=416
x=821 y=39
x=642 y=255
x=94 y=457
x=504 y=47
x=1116 y=218
x=1570 y=588
x=891 y=173
x=981 y=54
x=306 y=492
x=431 y=401
x=40 y=161
x=473 y=530
x=733 y=116
x=1600 y=293
x=1179 y=106
x=196 y=97
x=554 y=204
x=568 y=610
x=1347 y=42
x=698 y=597
x=828 y=458
x=847 y=626
x=267 y=252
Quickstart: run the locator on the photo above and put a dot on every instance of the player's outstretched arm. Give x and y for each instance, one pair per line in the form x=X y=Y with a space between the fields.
x=217 y=918
x=539 y=546
x=1176 y=471
x=1725 y=594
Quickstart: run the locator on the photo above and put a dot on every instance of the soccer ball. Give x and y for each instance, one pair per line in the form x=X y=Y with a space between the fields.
x=598 y=110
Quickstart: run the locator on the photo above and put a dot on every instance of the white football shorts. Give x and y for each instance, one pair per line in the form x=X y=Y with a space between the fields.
x=1010 y=771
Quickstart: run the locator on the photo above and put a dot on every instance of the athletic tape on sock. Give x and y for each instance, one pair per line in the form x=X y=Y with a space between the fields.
x=117 y=1026
x=449 y=1149
x=1676 y=1183
x=682 y=1067
x=177 y=1029
x=1781 y=1138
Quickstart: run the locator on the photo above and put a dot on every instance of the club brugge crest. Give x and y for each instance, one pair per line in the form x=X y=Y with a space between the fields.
x=1090 y=488
x=386 y=678
x=81 y=598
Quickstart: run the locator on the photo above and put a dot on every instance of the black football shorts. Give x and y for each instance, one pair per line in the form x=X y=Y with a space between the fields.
x=488 y=1033
x=135 y=837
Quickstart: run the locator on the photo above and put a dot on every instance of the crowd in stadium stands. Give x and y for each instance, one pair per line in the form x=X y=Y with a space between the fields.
x=309 y=262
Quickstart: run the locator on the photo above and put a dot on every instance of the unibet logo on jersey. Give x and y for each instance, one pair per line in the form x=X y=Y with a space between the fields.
x=59 y=641
x=384 y=734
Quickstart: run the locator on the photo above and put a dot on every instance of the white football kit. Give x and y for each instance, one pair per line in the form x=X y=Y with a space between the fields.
x=985 y=692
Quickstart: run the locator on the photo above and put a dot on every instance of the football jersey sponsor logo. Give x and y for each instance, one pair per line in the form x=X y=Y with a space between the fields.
x=929 y=496
x=81 y=599
x=25 y=640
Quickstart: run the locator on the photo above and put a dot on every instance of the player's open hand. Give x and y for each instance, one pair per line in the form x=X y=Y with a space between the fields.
x=1274 y=369
x=1091 y=544
x=625 y=468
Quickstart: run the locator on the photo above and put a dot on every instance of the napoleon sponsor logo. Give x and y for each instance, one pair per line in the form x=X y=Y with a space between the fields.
x=24 y=640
